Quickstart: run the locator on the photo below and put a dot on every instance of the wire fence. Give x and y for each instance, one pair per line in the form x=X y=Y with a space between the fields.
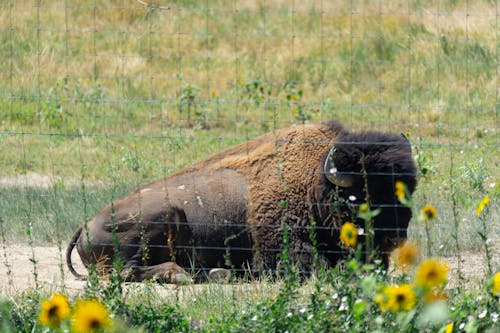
x=98 y=99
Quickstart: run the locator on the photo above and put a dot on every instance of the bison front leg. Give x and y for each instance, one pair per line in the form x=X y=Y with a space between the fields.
x=167 y=272
x=300 y=255
x=271 y=252
x=138 y=269
x=307 y=258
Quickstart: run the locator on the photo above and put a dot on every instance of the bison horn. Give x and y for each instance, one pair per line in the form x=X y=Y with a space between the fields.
x=331 y=173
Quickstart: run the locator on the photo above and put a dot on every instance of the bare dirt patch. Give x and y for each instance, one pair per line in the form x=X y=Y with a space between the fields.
x=42 y=181
x=30 y=179
x=23 y=267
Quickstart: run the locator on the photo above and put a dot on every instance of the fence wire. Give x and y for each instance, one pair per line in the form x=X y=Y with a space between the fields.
x=100 y=98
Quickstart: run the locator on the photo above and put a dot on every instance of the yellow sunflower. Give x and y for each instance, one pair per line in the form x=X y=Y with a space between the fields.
x=400 y=190
x=90 y=316
x=482 y=205
x=400 y=298
x=54 y=311
x=428 y=213
x=495 y=288
x=448 y=328
x=431 y=273
x=349 y=234
x=406 y=254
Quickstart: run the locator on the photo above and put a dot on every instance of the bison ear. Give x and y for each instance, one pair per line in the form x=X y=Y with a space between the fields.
x=331 y=173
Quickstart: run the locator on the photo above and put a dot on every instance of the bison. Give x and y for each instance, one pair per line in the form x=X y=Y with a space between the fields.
x=230 y=210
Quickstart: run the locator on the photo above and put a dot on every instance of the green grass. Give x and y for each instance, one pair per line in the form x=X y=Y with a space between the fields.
x=52 y=214
x=101 y=92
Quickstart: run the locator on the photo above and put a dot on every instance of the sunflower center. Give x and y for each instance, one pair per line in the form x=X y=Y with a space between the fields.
x=53 y=311
x=432 y=275
x=94 y=324
x=400 y=298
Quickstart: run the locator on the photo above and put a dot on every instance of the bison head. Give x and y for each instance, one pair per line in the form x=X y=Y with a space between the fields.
x=364 y=167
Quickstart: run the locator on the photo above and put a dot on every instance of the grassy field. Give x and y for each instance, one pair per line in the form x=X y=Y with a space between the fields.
x=98 y=97
x=115 y=94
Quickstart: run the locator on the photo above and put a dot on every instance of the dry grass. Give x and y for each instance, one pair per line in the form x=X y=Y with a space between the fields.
x=236 y=41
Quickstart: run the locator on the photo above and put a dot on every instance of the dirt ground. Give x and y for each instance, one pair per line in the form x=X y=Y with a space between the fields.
x=23 y=267
x=19 y=272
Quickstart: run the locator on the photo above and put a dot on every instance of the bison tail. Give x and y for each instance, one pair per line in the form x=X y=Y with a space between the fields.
x=69 y=250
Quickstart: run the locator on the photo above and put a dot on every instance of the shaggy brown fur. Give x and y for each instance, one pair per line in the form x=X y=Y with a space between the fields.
x=228 y=210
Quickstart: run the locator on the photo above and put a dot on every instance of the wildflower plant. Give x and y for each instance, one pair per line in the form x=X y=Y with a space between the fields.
x=406 y=255
x=495 y=285
x=427 y=214
x=401 y=192
x=54 y=311
x=431 y=274
x=86 y=316
x=90 y=316
x=349 y=235
x=448 y=328
x=482 y=211
x=482 y=205
x=400 y=297
x=367 y=214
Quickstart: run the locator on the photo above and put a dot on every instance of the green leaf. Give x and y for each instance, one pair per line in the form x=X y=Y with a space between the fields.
x=359 y=309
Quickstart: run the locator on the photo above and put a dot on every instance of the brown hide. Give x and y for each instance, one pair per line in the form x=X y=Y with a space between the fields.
x=151 y=224
x=227 y=210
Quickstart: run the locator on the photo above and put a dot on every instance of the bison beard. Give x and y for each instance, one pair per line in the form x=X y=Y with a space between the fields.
x=228 y=210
